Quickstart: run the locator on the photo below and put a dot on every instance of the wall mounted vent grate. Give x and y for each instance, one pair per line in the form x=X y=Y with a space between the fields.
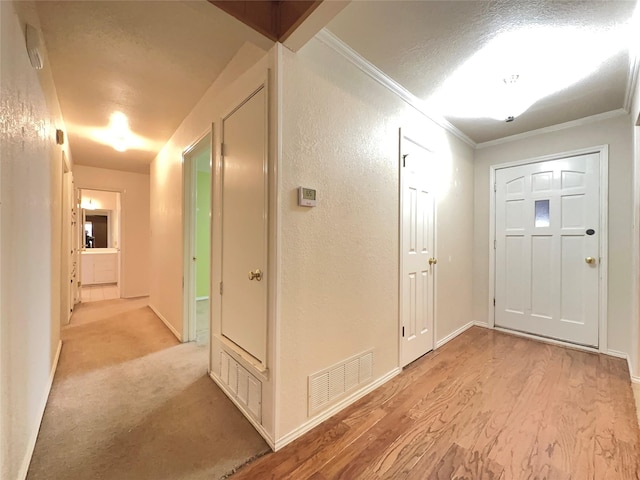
x=332 y=384
x=243 y=386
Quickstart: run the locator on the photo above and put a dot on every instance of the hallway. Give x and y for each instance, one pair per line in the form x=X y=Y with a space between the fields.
x=130 y=402
x=487 y=405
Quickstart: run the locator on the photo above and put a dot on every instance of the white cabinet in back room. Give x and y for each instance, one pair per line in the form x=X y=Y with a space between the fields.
x=99 y=267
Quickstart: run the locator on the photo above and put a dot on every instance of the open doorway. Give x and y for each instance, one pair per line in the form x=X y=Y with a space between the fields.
x=99 y=238
x=197 y=240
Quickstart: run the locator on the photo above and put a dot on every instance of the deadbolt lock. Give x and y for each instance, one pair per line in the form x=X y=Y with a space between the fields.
x=433 y=261
x=256 y=275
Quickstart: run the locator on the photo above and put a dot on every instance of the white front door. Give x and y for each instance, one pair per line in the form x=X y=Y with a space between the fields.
x=245 y=227
x=547 y=248
x=417 y=256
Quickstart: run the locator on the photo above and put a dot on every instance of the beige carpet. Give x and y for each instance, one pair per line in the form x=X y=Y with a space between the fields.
x=130 y=402
x=202 y=321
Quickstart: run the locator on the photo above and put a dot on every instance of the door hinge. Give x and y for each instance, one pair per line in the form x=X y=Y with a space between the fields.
x=494 y=302
x=403 y=331
x=494 y=244
x=404 y=159
x=495 y=187
x=222 y=149
x=220 y=288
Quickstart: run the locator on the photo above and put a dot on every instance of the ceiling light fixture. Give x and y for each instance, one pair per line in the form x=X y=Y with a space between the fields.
x=510 y=82
x=118 y=134
x=547 y=59
x=87 y=205
x=511 y=79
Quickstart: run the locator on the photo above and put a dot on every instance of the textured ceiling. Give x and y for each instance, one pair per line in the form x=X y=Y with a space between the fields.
x=420 y=44
x=151 y=60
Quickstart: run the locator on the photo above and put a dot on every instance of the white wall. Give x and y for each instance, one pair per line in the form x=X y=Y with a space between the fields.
x=167 y=191
x=134 y=222
x=634 y=360
x=100 y=199
x=617 y=133
x=340 y=260
x=30 y=239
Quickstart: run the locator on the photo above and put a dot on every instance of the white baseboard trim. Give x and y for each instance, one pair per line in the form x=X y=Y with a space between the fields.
x=200 y=299
x=166 y=322
x=24 y=469
x=263 y=433
x=615 y=353
x=318 y=419
x=481 y=324
x=454 y=334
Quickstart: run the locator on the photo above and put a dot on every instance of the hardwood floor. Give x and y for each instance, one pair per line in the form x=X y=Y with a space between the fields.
x=487 y=405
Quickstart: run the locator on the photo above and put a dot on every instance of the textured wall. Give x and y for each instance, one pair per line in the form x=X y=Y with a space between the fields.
x=617 y=133
x=135 y=233
x=100 y=199
x=635 y=321
x=167 y=191
x=339 y=292
x=30 y=239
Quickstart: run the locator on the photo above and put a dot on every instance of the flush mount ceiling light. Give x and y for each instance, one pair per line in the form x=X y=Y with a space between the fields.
x=511 y=79
x=509 y=82
x=547 y=59
x=88 y=205
x=118 y=134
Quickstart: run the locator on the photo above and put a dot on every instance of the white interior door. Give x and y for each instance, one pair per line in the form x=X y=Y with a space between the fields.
x=547 y=248
x=417 y=255
x=197 y=246
x=245 y=227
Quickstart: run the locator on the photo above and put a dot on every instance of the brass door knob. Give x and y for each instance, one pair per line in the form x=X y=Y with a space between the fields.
x=590 y=260
x=257 y=275
x=433 y=261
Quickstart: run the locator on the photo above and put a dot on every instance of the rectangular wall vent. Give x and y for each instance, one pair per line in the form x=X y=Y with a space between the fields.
x=330 y=385
x=243 y=386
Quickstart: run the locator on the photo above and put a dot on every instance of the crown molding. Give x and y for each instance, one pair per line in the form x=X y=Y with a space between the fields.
x=333 y=42
x=632 y=79
x=554 y=128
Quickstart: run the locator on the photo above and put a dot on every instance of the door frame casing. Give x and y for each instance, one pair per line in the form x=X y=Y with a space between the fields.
x=189 y=189
x=121 y=233
x=261 y=76
x=603 y=153
x=262 y=370
x=256 y=366
x=411 y=135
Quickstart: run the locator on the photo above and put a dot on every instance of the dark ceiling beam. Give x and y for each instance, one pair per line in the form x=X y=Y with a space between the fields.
x=292 y=13
x=257 y=14
x=275 y=19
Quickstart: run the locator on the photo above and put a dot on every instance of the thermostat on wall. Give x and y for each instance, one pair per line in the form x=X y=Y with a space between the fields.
x=306 y=197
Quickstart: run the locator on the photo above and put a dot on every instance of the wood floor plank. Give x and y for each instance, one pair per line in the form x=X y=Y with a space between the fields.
x=616 y=444
x=487 y=405
x=423 y=418
x=459 y=463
